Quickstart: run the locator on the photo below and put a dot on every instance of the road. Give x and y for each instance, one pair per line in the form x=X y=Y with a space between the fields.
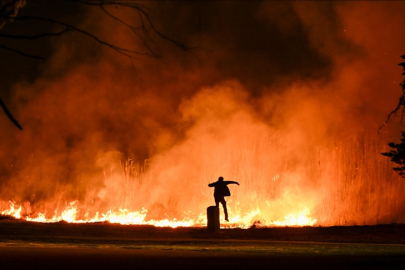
x=26 y=245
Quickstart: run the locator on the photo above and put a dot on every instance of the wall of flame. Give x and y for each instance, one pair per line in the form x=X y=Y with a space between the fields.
x=289 y=108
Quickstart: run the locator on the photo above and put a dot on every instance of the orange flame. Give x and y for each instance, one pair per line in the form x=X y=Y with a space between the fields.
x=126 y=217
x=301 y=219
x=11 y=210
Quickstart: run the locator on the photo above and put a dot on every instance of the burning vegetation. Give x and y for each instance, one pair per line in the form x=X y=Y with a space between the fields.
x=290 y=110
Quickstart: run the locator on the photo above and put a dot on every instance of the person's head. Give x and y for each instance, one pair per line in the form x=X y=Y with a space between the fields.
x=220 y=178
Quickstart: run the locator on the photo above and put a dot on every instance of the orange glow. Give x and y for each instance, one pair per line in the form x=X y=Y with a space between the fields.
x=295 y=124
x=123 y=216
x=301 y=219
x=11 y=210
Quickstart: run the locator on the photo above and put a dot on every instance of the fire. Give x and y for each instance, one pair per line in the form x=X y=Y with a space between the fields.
x=301 y=219
x=11 y=210
x=122 y=216
x=126 y=217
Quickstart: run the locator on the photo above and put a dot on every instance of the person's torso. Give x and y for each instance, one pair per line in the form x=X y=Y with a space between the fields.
x=221 y=190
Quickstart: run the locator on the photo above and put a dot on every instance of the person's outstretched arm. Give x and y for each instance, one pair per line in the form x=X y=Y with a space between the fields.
x=231 y=182
x=211 y=184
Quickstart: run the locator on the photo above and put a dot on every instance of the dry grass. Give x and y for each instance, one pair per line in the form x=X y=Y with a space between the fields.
x=341 y=182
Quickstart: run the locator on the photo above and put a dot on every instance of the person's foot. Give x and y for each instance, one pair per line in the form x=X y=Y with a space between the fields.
x=226 y=218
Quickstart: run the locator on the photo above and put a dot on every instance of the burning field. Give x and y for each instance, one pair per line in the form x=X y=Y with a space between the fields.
x=282 y=200
x=285 y=98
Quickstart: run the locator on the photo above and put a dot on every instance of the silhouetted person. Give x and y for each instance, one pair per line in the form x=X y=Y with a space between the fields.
x=221 y=191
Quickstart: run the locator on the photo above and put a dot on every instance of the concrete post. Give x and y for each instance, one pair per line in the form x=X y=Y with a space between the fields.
x=213 y=219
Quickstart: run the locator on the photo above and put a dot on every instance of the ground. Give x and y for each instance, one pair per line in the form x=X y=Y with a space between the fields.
x=26 y=245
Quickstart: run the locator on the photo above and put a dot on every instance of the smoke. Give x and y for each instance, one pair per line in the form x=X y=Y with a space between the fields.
x=284 y=97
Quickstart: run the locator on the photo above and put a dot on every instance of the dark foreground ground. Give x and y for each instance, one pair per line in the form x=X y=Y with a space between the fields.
x=25 y=245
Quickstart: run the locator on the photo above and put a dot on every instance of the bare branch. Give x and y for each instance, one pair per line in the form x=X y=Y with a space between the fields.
x=123 y=51
x=9 y=11
x=140 y=8
x=22 y=53
x=133 y=29
x=124 y=3
x=401 y=103
x=9 y=115
x=37 y=36
x=182 y=46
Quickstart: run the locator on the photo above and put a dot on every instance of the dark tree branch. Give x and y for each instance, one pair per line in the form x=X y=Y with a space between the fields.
x=182 y=46
x=141 y=9
x=133 y=29
x=9 y=115
x=8 y=13
x=36 y=36
x=9 y=10
x=21 y=53
x=124 y=3
x=401 y=102
x=123 y=51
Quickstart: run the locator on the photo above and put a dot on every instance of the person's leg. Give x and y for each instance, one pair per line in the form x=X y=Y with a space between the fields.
x=225 y=209
x=217 y=200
